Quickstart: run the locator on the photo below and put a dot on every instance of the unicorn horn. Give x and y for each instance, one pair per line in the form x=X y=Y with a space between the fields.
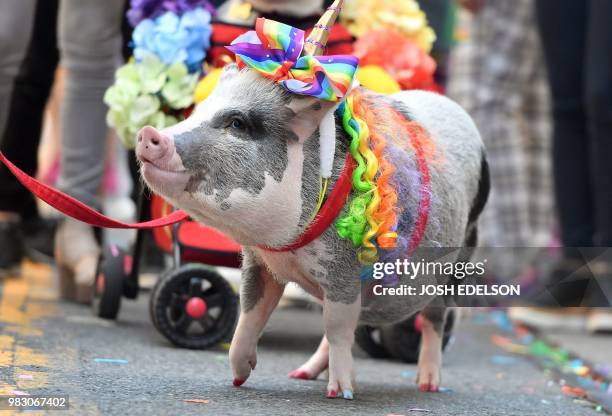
x=315 y=43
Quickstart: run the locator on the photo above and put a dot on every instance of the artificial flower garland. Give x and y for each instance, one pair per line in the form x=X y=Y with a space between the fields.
x=156 y=86
x=405 y=17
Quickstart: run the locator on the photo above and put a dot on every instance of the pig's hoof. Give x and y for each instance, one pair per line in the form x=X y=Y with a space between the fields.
x=238 y=382
x=300 y=374
x=347 y=394
x=429 y=388
x=428 y=380
x=332 y=394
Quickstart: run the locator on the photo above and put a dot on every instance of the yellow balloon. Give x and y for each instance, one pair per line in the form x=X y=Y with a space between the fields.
x=207 y=85
x=377 y=79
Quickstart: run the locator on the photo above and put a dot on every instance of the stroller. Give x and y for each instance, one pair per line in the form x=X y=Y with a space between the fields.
x=191 y=304
x=194 y=307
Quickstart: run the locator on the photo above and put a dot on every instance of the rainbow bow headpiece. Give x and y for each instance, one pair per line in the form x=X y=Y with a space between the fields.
x=274 y=50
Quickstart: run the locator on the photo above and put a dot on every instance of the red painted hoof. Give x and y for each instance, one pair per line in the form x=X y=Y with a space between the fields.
x=418 y=323
x=196 y=307
x=332 y=394
x=238 y=382
x=300 y=374
x=424 y=387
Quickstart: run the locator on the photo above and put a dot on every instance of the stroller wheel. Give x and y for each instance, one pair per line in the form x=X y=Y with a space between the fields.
x=108 y=284
x=368 y=338
x=403 y=340
x=194 y=307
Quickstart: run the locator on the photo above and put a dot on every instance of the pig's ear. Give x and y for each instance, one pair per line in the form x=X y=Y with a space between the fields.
x=308 y=113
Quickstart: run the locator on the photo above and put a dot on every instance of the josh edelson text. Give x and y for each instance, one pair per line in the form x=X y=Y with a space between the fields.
x=449 y=272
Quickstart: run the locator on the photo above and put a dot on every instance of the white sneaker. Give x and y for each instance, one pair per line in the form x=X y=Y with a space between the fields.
x=600 y=320
x=573 y=319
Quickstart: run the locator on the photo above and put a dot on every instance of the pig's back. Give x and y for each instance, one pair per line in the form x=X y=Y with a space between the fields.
x=450 y=127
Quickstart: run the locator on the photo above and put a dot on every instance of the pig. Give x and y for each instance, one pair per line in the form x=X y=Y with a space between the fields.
x=246 y=162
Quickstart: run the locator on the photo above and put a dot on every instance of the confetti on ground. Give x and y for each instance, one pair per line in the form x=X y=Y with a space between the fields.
x=508 y=345
x=503 y=360
x=408 y=374
x=573 y=391
x=445 y=390
x=417 y=410
x=26 y=376
x=110 y=361
x=19 y=393
x=198 y=401
x=225 y=346
x=586 y=383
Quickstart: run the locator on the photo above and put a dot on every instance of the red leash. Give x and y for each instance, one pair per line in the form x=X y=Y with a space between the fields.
x=79 y=211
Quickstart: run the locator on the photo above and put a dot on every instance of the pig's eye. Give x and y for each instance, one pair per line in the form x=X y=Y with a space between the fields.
x=237 y=124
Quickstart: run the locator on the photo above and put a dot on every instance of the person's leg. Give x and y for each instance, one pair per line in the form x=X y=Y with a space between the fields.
x=538 y=146
x=501 y=59
x=21 y=110
x=599 y=111
x=16 y=19
x=26 y=110
x=564 y=51
x=90 y=47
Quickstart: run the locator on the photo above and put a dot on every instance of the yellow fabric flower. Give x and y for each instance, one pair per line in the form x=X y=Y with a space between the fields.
x=377 y=79
x=406 y=17
x=207 y=85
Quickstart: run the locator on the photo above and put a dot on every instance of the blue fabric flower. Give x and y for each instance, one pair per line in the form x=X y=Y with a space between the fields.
x=175 y=38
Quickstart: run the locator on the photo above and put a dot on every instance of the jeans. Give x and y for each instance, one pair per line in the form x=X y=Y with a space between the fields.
x=577 y=41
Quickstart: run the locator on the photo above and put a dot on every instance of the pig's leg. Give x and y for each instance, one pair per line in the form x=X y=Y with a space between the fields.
x=340 y=323
x=430 y=357
x=315 y=364
x=259 y=295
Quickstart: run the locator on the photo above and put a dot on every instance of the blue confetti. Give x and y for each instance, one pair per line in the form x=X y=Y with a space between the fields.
x=110 y=361
x=408 y=374
x=503 y=360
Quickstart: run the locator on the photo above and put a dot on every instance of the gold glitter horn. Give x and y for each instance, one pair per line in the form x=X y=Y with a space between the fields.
x=315 y=43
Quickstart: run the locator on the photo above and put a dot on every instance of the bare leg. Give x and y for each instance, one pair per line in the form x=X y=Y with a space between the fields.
x=259 y=295
x=315 y=365
x=430 y=357
x=340 y=323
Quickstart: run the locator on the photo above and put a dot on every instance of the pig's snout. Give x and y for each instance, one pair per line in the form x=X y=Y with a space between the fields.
x=154 y=147
x=162 y=167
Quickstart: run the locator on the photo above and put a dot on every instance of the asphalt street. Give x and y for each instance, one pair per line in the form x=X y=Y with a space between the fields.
x=53 y=347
